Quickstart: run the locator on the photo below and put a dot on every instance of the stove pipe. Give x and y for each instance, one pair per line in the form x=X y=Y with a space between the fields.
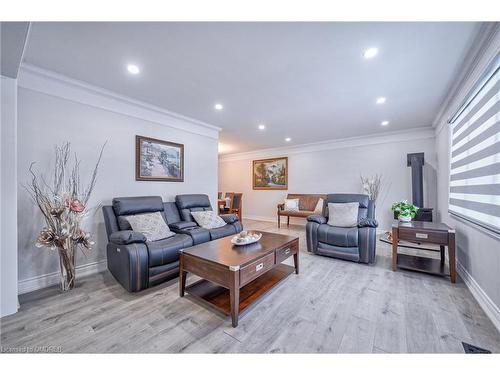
x=416 y=162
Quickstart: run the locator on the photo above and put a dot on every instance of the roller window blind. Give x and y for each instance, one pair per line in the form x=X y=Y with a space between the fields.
x=475 y=154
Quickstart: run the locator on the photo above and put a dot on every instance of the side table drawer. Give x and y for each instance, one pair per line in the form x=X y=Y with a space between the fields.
x=255 y=269
x=285 y=252
x=440 y=238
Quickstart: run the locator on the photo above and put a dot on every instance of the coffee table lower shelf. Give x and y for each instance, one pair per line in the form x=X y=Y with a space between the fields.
x=423 y=264
x=218 y=297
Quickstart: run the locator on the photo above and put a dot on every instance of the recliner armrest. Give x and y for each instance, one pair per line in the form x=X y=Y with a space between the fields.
x=125 y=237
x=230 y=218
x=180 y=225
x=317 y=219
x=367 y=223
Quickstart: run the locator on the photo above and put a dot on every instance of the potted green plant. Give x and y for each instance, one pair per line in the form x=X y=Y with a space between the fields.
x=406 y=211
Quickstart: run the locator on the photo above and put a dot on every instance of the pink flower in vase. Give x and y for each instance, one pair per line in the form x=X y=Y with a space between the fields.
x=76 y=206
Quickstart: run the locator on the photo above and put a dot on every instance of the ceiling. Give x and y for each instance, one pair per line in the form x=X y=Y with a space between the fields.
x=306 y=81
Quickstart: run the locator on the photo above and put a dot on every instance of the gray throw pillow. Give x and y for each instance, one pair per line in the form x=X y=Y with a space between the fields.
x=152 y=225
x=208 y=219
x=343 y=214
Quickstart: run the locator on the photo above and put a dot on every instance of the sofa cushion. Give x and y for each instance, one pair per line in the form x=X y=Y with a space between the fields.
x=137 y=205
x=226 y=230
x=208 y=219
x=152 y=225
x=187 y=203
x=343 y=214
x=171 y=212
x=337 y=236
x=167 y=250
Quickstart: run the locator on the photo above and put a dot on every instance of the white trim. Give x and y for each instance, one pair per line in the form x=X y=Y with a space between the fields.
x=489 y=307
x=261 y=218
x=370 y=139
x=37 y=79
x=42 y=281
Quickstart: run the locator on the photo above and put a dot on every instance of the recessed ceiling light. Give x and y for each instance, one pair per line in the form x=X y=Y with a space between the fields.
x=381 y=100
x=384 y=123
x=133 y=69
x=370 y=53
x=288 y=139
x=218 y=107
x=262 y=127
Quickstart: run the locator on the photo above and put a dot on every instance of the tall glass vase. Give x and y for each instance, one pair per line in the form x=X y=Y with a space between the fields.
x=67 y=265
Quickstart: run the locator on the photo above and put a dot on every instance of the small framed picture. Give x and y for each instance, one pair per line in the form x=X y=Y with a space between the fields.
x=157 y=160
x=270 y=174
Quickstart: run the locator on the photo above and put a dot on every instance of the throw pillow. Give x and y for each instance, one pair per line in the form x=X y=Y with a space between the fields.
x=318 y=210
x=208 y=219
x=291 y=204
x=152 y=225
x=343 y=214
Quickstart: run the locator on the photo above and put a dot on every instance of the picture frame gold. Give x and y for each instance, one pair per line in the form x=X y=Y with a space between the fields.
x=270 y=174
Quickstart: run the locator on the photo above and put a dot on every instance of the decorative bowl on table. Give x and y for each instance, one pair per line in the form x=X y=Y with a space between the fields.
x=246 y=238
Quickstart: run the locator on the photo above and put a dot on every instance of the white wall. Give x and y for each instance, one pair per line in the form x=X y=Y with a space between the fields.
x=46 y=120
x=478 y=251
x=8 y=194
x=335 y=167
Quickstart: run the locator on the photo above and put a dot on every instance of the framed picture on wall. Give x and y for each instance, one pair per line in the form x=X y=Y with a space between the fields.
x=270 y=174
x=157 y=160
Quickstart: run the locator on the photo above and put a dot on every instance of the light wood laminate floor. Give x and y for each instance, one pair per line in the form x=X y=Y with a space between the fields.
x=332 y=306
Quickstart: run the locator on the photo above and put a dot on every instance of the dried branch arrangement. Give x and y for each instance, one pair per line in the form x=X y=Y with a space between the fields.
x=371 y=185
x=63 y=204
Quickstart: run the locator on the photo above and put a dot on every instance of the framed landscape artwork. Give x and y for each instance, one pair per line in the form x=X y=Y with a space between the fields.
x=270 y=174
x=157 y=160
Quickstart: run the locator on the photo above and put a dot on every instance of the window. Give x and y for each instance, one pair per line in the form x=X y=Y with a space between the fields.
x=475 y=154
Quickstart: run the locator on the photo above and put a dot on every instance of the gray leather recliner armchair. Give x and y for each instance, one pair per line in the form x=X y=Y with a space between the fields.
x=356 y=244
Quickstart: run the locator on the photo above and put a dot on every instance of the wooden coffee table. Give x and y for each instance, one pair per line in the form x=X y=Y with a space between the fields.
x=234 y=277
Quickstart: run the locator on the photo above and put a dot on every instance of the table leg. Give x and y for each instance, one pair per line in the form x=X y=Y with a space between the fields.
x=394 y=249
x=182 y=277
x=441 y=250
x=451 y=257
x=234 y=296
x=296 y=262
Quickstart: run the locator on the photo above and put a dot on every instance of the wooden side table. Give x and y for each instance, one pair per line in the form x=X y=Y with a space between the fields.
x=425 y=232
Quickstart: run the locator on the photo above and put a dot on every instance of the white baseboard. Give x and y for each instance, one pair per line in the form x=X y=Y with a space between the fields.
x=489 y=307
x=260 y=218
x=38 y=282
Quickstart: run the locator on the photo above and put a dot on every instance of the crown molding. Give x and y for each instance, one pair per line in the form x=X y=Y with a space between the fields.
x=34 y=78
x=484 y=47
x=370 y=139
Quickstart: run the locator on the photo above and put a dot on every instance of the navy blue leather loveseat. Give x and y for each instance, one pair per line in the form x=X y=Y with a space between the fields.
x=138 y=264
